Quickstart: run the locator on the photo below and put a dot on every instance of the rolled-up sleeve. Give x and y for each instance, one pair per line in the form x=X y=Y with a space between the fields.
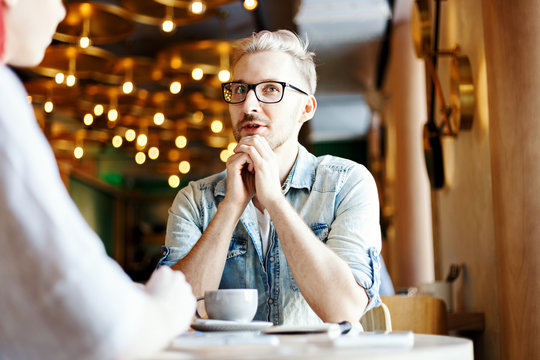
x=184 y=226
x=355 y=234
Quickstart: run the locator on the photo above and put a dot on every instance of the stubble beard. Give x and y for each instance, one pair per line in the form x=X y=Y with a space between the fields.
x=272 y=141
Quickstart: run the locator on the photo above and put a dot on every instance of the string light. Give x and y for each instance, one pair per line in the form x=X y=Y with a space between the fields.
x=140 y=158
x=197 y=7
x=78 y=152
x=71 y=80
x=232 y=145
x=175 y=87
x=167 y=26
x=153 y=153
x=88 y=119
x=174 y=181
x=216 y=126
x=48 y=106
x=225 y=154
x=224 y=75
x=184 y=167
x=98 y=110
x=142 y=140
x=130 y=135
x=159 y=118
x=176 y=62
x=250 y=4
x=197 y=74
x=117 y=141
x=180 y=141
x=59 y=78
x=112 y=114
x=198 y=117
x=127 y=87
x=84 y=42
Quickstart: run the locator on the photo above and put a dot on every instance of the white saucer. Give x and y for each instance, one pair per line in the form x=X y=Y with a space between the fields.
x=224 y=325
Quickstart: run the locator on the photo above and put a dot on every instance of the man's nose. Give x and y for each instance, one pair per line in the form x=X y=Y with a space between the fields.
x=251 y=104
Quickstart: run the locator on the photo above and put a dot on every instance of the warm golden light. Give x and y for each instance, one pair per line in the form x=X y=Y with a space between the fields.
x=176 y=62
x=167 y=26
x=71 y=80
x=224 y=75
x=198 y=116
x=78 y=152
x=224 y=155
x=59 y=78
x=173 y=155
x=84 y=42
x=98 y=110
x=127 y=87
x=184 y=167
x=140 y=158
x=142 y=140
x=197 y=7
x=48 y=106
x=216 y=126
x=175 y=87
x=174 y=181
x=180 y=142
x=153 y=153
x=250 y=4
x=112 y=115
x=130 y=134
x=231 y=146
x=88 y=119
x=159 y=118
x=117 y=141
x=197 y=74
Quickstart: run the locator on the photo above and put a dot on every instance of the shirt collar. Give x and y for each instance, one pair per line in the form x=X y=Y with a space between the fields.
x=302 y=174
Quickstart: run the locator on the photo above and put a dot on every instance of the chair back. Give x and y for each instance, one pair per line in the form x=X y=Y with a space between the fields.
x=420 y=314
x=377 y=319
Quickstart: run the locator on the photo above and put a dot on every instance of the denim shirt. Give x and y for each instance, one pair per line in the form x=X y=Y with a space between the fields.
x=337 y=199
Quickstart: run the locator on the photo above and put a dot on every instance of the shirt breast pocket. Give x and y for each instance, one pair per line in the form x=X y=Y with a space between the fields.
x=321 y=231
x=237 y=247
x=234 y=273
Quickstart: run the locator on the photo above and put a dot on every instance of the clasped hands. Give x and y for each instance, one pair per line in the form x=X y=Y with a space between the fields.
x=253 y=171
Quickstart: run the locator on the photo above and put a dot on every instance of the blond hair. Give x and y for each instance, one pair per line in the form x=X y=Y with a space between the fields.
x=285 y=41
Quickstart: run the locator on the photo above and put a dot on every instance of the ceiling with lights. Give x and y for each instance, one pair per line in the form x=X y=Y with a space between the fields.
x=130 y=89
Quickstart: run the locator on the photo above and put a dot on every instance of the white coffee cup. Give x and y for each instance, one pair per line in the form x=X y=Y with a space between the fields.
x=441 y=290
x=231 y=304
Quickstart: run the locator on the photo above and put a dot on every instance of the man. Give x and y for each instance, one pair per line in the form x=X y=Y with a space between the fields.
x=62 y=297
x=302 y=230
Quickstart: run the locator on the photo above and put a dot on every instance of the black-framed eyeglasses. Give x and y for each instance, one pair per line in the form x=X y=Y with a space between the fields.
x=268 y=92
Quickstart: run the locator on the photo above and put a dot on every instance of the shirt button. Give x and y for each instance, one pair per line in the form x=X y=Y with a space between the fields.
x=270 y=301
x=272 y=259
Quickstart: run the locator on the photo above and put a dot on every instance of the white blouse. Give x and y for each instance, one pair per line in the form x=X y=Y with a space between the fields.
x=61 y=296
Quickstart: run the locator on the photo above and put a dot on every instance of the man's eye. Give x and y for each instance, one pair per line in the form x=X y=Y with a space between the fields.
x=238 y=89
x=271 y=88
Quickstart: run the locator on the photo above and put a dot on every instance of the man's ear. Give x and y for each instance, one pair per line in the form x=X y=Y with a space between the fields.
x=309 y=108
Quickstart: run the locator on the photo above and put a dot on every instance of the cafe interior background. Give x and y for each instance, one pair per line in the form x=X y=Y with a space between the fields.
x=431 y=95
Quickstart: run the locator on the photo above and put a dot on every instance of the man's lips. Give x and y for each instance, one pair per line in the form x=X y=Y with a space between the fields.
x=251 y=126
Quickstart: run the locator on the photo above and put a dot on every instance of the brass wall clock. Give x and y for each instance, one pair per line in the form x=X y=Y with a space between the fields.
x=459 y=114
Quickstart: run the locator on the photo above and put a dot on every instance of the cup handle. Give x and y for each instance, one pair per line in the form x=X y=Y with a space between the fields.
x=196 y=310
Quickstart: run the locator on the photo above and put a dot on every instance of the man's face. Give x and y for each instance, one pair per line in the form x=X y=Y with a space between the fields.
x=280 y=122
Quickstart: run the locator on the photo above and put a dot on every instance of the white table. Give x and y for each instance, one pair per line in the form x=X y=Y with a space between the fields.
x=303 y=347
